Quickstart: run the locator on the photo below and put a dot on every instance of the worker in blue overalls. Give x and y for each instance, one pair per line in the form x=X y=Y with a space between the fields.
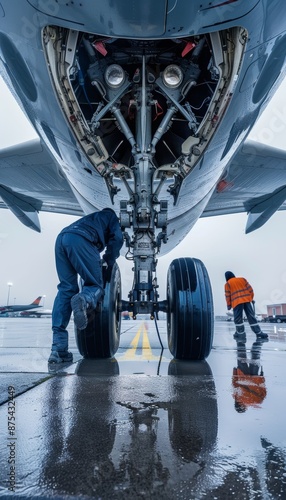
x=77 y=252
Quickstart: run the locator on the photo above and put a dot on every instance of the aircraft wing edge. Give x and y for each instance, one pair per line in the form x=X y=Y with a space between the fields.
x=31 y=181
x=254 y=182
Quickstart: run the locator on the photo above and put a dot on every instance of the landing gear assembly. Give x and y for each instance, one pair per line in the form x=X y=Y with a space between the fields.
x=144 y=221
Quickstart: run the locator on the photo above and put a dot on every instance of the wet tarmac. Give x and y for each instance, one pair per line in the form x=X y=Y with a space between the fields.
x=142 y=425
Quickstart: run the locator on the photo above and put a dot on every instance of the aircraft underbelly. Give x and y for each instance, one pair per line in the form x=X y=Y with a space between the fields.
x=187 y=133
x=148 y=19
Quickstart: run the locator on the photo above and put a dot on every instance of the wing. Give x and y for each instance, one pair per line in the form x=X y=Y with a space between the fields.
x=254 y=182
x=30 y=181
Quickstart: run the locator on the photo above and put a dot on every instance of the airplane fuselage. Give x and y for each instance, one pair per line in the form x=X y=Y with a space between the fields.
x=142 y=106
x=12 y=309
x=254 y=31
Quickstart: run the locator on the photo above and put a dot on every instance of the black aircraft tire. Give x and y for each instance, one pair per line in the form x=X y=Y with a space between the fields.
x=100 y=339
x=190 y=318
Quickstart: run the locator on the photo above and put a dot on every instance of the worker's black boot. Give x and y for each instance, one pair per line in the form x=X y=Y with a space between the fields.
x=79 y=307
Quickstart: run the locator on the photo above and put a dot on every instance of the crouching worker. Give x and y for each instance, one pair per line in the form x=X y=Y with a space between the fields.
x=77 y=252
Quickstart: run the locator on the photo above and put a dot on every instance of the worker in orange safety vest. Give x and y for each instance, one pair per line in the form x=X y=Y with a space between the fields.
x=239 y=297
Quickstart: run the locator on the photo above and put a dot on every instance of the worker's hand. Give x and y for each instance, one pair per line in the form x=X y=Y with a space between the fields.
x=228 y=308
x=106 y=271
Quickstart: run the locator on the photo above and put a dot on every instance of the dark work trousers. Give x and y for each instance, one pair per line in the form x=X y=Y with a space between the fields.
x=249 y=366
x=75 y=255
x=247 y=307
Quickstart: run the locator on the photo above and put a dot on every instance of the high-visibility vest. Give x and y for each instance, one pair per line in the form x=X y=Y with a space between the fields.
x=238 y=291
x=248 y=390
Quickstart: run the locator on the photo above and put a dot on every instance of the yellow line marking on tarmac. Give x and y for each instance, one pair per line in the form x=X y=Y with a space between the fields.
x=130 y=353
x=136 y=339
x=146 y=351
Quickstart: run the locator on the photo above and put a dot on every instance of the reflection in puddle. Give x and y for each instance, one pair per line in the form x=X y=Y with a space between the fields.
x=248 y=381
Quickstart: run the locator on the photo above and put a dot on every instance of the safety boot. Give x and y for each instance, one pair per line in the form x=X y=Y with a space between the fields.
x=79 y=307
x=60 y=357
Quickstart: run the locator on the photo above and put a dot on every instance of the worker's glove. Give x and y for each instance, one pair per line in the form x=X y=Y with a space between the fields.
x=106 y=271
x=228 y=308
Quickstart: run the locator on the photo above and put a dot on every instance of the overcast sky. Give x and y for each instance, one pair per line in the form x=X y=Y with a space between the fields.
x=27 y=258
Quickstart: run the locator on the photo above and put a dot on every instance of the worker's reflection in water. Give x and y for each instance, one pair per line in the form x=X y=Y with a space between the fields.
x=248 y=381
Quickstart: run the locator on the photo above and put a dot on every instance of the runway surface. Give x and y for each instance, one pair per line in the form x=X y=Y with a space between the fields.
x=142 y=425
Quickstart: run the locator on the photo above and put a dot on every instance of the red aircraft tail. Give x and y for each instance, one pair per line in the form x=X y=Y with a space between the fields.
x=37 y=301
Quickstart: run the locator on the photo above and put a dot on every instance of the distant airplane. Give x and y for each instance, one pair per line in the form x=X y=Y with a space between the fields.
x=17 y=308
x=145 y=109
x=38 y=314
